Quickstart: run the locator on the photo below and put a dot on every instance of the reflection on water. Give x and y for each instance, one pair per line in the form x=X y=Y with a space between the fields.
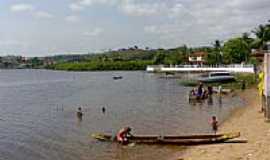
x=39 y=112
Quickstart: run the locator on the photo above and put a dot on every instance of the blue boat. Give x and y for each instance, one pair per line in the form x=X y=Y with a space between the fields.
x=214 y=77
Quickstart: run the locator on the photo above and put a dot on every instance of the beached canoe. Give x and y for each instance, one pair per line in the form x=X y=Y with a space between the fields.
x=172 y=139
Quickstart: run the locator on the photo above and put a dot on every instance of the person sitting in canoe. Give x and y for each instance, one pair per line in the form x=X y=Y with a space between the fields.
x=123 y=134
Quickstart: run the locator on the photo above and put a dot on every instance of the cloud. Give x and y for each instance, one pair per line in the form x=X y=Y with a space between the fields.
x=155 y=23
x=30 y=8
x=76 y=7
x=142 y=9
x=94 y=32
x=72 y=19
x=43 y=14
x=80 y=5
x=22 y=8
x=164 y=29
x=179 y=11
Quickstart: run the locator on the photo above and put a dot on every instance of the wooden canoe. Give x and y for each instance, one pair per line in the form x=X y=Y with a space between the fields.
x=172 y=139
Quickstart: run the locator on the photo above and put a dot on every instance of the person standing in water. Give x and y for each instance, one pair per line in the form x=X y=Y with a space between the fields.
x=200 y=90
x=103 y=110
x=79 y=113
x=214 y=124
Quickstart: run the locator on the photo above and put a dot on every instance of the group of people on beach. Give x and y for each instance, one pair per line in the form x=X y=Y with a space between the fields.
x=200 y=92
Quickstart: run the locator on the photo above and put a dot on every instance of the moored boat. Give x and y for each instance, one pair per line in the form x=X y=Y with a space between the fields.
x=117 y=77
x=172 y=139
x=214 y=77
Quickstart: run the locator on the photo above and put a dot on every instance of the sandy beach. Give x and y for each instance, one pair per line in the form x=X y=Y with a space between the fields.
x=251 y=123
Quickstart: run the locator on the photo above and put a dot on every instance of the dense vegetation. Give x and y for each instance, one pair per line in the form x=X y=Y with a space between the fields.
x=234 y=50
x=99 y=66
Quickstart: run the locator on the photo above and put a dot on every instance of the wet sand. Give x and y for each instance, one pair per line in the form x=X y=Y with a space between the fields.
x=251 y=123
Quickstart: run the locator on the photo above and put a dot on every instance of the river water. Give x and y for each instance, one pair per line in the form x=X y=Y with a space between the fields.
x=38 y=114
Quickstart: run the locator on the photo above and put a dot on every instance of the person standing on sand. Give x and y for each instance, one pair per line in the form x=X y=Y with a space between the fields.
x=214 y=124
x=261 y=89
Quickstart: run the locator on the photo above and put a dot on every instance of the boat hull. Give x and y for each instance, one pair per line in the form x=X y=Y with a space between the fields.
x=217 y=79
x=174 y=140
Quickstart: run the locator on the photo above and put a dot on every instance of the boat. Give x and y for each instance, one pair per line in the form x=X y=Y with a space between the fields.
x=172 y=139
x=117 y=77
x=223 y=90
x=214 y=77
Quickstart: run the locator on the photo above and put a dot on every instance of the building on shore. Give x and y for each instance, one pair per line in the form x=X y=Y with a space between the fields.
x=258 y=54
x=198 y=58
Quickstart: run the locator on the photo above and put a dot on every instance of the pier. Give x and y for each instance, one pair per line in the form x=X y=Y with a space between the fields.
x=241 y=68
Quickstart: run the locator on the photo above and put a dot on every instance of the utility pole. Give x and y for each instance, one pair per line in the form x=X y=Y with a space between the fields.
x=267 y=82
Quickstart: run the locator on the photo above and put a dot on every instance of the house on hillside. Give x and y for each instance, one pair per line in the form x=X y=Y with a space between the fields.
x=198 y=58
x=258 y=54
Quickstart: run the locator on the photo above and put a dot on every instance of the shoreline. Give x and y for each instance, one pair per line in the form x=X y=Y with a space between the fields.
x=250 y=122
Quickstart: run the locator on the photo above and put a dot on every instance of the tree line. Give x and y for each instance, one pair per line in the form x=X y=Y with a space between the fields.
x=234 y=50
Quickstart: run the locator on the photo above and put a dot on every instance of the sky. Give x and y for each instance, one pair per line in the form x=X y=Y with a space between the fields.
x=49 y=27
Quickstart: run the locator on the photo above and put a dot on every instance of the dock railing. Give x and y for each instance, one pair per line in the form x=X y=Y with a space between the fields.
x=201 y=68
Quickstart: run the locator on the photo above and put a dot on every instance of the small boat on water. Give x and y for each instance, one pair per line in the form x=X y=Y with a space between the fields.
x=172 y=139
x=214 y=77
x=117 y=77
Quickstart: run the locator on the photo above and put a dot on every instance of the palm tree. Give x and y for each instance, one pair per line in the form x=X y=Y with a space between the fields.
x=263 y=35
x=217 y=46
x=246 y=38
x=247 y=42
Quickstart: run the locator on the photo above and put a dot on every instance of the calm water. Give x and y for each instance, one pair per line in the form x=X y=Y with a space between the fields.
x=38 y=114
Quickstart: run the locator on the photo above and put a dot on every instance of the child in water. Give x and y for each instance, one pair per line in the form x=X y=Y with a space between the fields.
x=103 y=110
x=214 y=124
x=79 y=112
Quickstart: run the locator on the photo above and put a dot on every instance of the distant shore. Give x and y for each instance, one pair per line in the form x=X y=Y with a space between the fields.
x=250 y=122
